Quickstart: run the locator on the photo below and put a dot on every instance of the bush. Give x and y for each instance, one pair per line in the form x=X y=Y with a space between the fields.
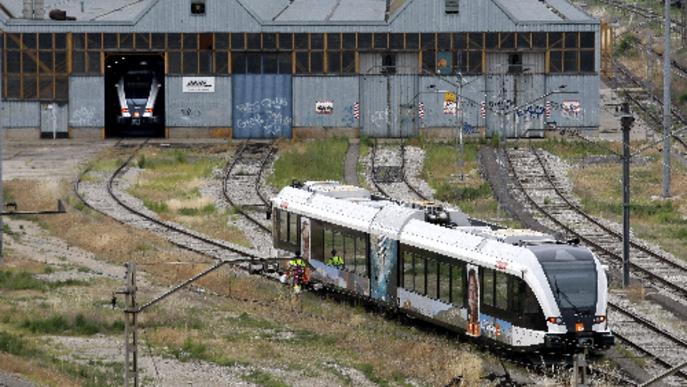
x=15 y=345
x=142 y=161
x=20 y=281
x=627 y=45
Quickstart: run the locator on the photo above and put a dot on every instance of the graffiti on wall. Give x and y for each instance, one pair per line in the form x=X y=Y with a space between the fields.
x=84 y=116
x=380 y=118
x=269 y=115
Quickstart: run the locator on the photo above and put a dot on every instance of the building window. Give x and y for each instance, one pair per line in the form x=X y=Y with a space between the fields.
x=36 y=66
x=198 y=7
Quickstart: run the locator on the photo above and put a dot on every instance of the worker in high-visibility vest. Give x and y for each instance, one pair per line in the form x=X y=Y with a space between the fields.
x=297 y=272
x=335 y=260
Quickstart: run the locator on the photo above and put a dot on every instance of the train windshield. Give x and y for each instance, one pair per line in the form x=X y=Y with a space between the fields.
x=571 y=272
x=137 y=86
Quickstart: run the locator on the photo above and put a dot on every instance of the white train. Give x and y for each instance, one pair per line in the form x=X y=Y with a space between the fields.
x=519 y=288
x=137 y=92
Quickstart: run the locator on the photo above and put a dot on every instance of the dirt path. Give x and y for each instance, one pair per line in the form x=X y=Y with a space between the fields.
x=351 y=163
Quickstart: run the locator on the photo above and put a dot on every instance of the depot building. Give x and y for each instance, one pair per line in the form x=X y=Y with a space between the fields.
x=296 y=68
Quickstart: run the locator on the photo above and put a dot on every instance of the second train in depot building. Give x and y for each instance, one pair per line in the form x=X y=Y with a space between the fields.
x=517 y=288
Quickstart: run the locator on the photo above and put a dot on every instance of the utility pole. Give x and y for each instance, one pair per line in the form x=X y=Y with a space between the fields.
x=626 y=121
x=2 y=197
x=461 y=124
x=130 y=327
x=666 y=100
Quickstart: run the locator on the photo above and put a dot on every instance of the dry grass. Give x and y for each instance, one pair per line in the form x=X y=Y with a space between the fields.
x=35 y=371
x=171 y=183
x=473 y=194
x=652 y=218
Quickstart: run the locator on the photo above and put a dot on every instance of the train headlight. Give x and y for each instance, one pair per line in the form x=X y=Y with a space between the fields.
x=555 y=320
x=599 y=319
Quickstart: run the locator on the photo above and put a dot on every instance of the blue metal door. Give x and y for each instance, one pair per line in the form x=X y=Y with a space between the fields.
x=262 y=106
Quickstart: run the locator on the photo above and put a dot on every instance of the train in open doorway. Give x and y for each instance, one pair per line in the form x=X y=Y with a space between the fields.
x=137 y=92
x=519 y=289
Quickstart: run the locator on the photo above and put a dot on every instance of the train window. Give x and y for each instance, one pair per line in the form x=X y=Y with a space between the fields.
x=445 y=282
x=293 y=228
x=328 y=243
x=432 y=278
x=361 y=256
x=420 y=274
x=487 y=287
x=457 y=281
x=408 y=271
x=349 y=252
x=283 y=226
x=501 y=291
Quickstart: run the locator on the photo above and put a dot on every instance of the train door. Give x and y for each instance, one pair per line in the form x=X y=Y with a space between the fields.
x=262 y=106
x=383 y=267
x=473 y=328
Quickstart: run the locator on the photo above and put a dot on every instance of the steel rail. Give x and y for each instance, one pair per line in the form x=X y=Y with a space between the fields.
x=640 y=321
x=586 y=240
x=227 y=174
x=597 y=223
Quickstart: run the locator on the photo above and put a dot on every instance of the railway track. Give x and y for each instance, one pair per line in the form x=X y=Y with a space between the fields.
x=644 y=13
x=109 y=199
x=241 y=185
x=388 y=174
x=646 y=337
x=640 y=99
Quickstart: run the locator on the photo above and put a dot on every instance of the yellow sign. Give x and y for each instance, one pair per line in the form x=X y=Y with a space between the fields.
x=449 y=97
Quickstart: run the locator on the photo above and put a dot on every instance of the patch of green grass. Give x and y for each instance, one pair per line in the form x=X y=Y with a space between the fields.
x=205 y=210
x=78 y=325
x=575 y=149
x=155 y=206
x=23 y=280
x=16 y=345
x=264 y=379
x=8 y=231
x=311 y=160
x=369 y=371
x=627 y=45
x=454 y=193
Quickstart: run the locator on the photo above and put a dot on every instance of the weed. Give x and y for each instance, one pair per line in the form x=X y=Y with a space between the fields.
x=142 y=161
x=15 y=345
x=48 y=270
x=191 y=350
x=262 y=378
x=205 y=210
x=155 y=206
x=369 y=371
x=79 y=325
x=20 y=281
x=627 y=45
x=180 y=156
x=312 y=160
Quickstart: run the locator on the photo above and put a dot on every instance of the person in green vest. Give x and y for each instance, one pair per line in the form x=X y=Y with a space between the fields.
x=297 y=272
x=335 y=261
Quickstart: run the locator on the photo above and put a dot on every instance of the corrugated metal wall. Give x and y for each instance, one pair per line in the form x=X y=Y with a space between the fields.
x=586 y=88
x=86 y=102
x=262 y=106
x=198 y=110
x=388 y=105
x=341 y=91
x=21 y=114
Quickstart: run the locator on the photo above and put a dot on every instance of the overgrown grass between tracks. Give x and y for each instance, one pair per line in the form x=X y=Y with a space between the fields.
x=310 y=160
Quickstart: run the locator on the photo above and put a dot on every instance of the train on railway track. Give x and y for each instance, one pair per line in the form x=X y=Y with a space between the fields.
x=518 y=289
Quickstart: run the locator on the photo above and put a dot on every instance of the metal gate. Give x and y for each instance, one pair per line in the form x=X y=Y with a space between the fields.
x=389 y=105
x=262 y=106
x=54 y=120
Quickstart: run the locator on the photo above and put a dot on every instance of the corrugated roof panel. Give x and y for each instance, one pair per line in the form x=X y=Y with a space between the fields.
x=569 y=11
x=308 y=10
x=359 y=10
x=113 y=10
x=528 y=10
x=265 y=9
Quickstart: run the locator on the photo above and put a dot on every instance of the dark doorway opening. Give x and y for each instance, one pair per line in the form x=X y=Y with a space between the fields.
x=515 y=63
x=134 y=95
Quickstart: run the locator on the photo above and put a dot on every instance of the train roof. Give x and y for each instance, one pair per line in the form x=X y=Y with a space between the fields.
x=478 y=244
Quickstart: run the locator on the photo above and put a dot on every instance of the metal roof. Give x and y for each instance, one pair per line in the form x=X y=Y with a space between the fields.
x=94 y=10
x=542 y=11
x=317 y=10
